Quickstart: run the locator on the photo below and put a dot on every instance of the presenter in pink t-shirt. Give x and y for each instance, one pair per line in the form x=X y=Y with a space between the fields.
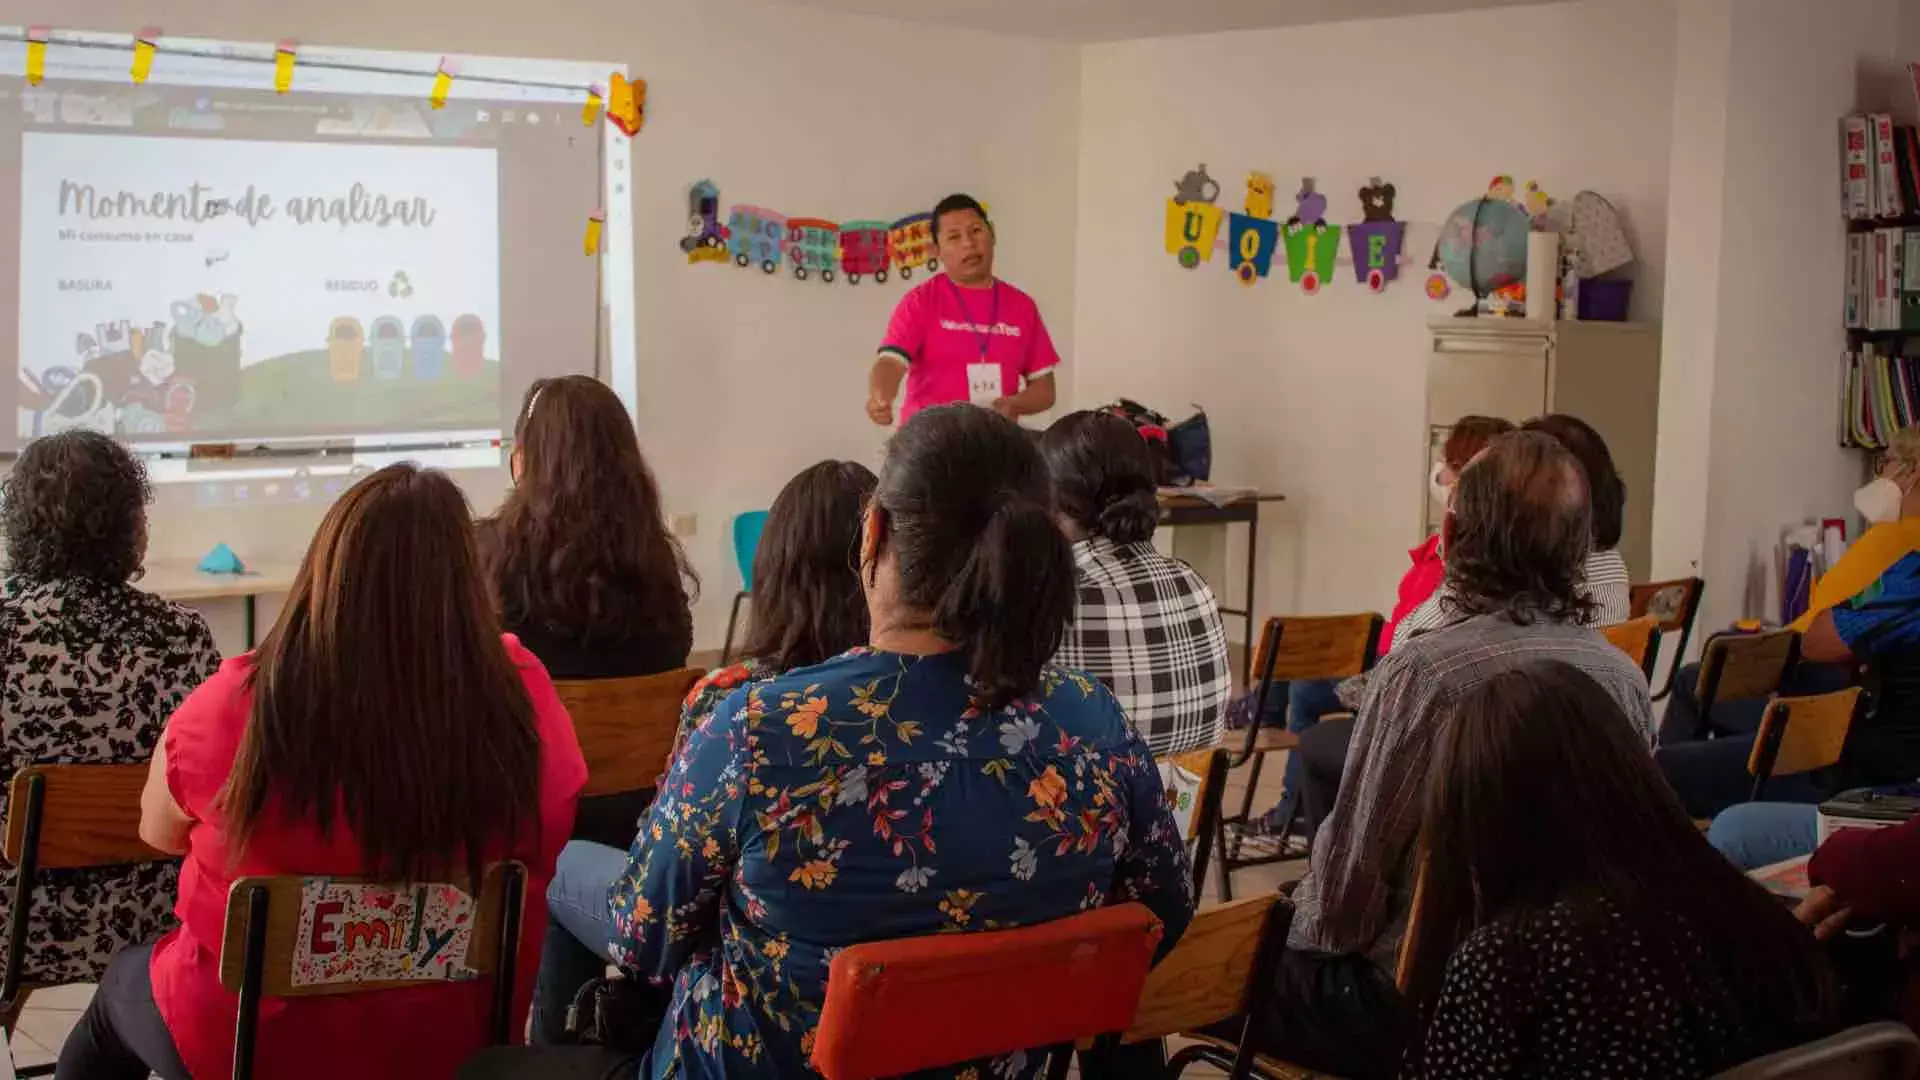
x=964 y=335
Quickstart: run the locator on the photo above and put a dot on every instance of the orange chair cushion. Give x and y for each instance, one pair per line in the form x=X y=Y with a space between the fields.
x=897 y=1007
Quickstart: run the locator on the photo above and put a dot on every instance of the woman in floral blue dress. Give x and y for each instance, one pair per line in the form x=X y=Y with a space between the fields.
x=945 y=779
x=807 y=607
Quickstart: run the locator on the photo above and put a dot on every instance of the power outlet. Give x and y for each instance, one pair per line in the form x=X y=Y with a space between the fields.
x=686 y=524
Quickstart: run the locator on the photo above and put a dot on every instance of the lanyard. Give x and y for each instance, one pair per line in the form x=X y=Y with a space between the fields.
x=993 y=317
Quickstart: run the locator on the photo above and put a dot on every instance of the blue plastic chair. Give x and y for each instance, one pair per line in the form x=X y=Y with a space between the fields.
x=746 y=545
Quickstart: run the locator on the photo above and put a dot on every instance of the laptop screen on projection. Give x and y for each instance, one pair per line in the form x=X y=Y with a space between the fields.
x=202 y=260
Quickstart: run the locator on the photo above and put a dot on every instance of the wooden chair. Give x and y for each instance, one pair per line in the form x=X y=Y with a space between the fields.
x=1801 y=734
x=1210 y=765
x=1291 y=647
x=1882 y=1051
x=64 y=817
x=626 y=726
x=1742 y=667
x=1676 y=604
x=1639 y=639
x=898 y=1007
x=1217 y=972
x=261 y=950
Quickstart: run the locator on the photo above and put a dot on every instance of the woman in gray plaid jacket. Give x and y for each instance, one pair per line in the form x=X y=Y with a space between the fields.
x=1144 y=623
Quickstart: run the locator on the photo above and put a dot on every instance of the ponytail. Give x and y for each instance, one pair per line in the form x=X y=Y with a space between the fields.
x=1008 y=603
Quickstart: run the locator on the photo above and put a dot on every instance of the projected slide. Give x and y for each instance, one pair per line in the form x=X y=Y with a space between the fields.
x=181 y=287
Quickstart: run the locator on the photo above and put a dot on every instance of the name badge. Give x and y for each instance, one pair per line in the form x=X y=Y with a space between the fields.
x=983 y=384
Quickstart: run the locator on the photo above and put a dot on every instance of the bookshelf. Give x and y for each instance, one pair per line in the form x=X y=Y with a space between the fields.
x=1880 y=202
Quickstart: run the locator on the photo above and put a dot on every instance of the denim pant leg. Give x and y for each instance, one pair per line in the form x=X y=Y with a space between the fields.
x=1711 y=775
x=574 y=951
x=1682 y=717
x=1753 y=835
x=1307 y=701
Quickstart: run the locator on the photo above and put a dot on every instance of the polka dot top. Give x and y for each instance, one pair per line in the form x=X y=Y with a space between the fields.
x=1575 y=992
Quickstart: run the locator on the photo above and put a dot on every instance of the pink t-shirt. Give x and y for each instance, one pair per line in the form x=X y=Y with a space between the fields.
x=415 y=1032
x=947 y=335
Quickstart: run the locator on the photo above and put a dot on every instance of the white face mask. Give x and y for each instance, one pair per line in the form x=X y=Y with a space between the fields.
x=1439 y=490
x=1879 y=501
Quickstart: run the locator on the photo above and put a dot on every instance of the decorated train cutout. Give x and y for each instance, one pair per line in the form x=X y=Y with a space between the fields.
x=808 y=248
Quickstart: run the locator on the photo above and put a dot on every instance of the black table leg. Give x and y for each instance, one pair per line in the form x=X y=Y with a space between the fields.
x=1252 y=621
x=247 y=605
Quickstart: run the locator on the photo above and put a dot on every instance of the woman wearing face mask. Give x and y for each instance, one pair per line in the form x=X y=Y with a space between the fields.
x=1305 y=702
x=1865 y=613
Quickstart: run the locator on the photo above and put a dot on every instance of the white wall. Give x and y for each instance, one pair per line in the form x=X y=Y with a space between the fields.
x=1322 y=397
x=1752 y=361
x=1696 y=223
x=742 y=380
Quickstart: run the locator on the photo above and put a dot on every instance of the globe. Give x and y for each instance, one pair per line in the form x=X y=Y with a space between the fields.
x=1483 y=245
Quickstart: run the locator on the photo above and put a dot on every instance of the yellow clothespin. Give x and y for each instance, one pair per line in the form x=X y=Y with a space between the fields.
x=442 y=83
x=590 y=112
x=37 y=54
x=283 y=57
x=595 y=221
x=143 y=50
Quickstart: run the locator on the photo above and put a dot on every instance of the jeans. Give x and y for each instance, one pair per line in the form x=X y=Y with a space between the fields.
x=574 y=952
x=1683 y=705
x=121 y=1035
x=1711 y=775
x=1682 y=720
x=1305 y=703
x=1753 y=835
x=1323 y=757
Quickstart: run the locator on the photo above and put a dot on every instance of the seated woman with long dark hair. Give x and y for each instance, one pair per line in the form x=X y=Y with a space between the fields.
x=807 y=609
x=1569 y=920
x=583 y=567
x=946 y=779
x=807 y=604
x=385 y=728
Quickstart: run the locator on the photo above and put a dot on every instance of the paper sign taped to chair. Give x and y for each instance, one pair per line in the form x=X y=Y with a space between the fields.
x=356 y=933
x=1183 y=793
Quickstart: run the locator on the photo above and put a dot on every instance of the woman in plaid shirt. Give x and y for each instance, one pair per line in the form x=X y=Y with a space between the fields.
x=1144 y=624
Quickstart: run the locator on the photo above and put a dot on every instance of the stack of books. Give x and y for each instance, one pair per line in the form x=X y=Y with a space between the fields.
x=1883 y=279
x=1881 y=395
x=1880 y=168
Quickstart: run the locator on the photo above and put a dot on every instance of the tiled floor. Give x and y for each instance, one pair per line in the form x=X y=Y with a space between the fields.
x=50 y=1014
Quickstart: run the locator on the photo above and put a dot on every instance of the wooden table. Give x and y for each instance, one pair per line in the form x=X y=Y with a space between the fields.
x=184 y=582
x=1180 y=509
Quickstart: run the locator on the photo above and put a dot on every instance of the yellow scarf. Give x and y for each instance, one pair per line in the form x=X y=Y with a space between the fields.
x=1870 y=556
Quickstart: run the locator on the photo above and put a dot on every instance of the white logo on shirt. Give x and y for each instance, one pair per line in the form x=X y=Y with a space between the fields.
x=958 y=327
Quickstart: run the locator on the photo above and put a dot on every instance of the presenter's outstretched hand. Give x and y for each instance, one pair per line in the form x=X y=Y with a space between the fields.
x=880 y=410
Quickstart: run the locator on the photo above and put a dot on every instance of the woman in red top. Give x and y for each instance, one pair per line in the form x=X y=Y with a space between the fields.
x=1310 y=699
x=384 y=728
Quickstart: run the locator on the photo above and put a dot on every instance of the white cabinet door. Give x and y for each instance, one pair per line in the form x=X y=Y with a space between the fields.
x=1487 y=376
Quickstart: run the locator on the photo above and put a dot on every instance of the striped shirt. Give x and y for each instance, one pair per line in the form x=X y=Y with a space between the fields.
x=1363 y=853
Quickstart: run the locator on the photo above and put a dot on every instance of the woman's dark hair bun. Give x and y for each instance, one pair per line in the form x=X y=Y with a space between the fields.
x=1103 y=476
x=1130 y=518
